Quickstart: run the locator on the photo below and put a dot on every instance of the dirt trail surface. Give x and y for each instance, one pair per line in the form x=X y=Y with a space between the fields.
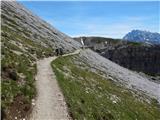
x=50 y=103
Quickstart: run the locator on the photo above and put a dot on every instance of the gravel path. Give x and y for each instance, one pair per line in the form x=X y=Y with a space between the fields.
x=50 y=103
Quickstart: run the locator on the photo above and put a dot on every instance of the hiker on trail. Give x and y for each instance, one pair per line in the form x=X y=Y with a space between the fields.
x=59 y=51
x=82 y=42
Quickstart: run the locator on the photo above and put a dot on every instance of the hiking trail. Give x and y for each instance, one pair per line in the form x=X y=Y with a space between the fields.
x=50 y=103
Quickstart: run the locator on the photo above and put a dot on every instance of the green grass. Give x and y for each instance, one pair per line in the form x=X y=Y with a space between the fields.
x=36 y=47
x=18 y=65
x=90 y=96
x=11 y=88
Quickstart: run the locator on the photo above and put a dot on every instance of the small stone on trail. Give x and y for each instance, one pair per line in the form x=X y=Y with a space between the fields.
x=33 y=104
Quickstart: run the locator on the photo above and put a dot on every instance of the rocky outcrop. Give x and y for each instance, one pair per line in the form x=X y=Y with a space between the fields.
x=136 y=56
x=139 y=58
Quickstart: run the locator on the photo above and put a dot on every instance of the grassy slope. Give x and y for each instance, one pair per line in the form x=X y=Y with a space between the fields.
x=93 y=97
x=18 y=65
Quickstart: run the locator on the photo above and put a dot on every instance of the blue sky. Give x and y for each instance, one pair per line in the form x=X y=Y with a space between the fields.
x=108 y=19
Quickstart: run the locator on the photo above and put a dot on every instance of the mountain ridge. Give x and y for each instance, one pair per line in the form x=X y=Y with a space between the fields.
x=143 y=36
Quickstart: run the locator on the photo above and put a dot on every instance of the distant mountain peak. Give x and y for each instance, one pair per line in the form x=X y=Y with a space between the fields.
x=143 y=36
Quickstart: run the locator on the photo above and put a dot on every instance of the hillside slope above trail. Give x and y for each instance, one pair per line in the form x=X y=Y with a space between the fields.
x=19 y=20
x=119 y=74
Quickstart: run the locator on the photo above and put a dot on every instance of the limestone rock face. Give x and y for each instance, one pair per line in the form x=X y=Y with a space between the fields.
x=141 y=58
x=136 y=56
x=17 y=18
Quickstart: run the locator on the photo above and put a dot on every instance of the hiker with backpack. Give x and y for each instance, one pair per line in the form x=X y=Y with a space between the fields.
x=59 y=51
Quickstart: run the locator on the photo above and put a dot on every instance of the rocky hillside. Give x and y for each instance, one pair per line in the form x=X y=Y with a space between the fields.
x=16 y=18
x=136 y=56
x=25 y=38
x=143 y=36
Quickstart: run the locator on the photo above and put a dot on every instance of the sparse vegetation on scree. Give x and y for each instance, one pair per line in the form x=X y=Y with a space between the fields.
x=92 y=97
x=18 y=65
